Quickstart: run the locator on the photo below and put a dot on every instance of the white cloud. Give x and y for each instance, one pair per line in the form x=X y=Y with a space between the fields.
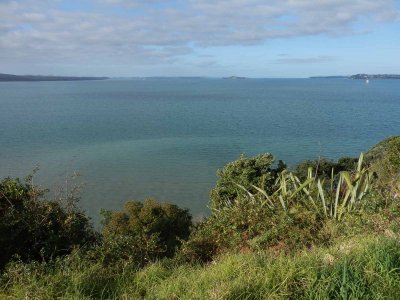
x=40 y=30
x=306 y=60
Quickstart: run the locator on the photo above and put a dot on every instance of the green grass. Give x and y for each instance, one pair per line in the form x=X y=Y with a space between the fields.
x=361 y=268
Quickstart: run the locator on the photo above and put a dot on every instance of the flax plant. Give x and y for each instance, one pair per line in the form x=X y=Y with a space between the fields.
x=333 y=198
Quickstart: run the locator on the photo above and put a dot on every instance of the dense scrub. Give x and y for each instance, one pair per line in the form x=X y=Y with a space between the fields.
x=311 y=233
x=324 y=167
x=246 y=171
x=143 y=232
x=33 y=228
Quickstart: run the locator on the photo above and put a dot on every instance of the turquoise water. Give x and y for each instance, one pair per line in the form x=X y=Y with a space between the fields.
x=129 y=139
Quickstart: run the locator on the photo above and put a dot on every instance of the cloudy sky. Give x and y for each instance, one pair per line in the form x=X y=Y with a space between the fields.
x=255 y=38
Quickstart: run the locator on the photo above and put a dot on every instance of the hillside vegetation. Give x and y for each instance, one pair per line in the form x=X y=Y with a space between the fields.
x=324 y=230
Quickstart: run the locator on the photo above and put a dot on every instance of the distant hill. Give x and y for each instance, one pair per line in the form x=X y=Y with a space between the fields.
x=328 y=77
x=375 y=76
x=9 y=77
x=363 y=76
x=234 y=77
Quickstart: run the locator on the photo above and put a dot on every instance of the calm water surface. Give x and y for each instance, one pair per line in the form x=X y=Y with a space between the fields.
x=130 y=139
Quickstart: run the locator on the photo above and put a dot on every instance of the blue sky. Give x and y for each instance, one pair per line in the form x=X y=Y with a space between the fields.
x=254 y=38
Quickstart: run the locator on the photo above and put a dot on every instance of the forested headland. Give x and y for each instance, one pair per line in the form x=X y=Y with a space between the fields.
x=10 y=77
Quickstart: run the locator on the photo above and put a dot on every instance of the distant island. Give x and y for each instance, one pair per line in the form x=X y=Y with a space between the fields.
x=328 y=77
x=362 y=76
x=375 y=76
x=9 y=77
x=234 y=77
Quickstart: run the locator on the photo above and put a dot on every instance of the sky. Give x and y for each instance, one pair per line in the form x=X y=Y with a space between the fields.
x=252 y=38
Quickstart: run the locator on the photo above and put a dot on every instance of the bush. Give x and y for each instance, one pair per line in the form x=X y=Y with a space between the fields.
x=323 y=167
x=246 y=171
x=144 y=231
x=33 y=228
x=297 y=214
x=246 y=225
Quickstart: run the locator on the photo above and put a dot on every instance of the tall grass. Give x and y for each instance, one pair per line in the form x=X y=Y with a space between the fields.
x=362 y=268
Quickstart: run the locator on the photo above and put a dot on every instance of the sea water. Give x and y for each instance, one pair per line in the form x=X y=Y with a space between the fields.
x=166 y=137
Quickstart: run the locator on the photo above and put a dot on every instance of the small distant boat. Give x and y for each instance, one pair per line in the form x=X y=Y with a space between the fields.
x=367 y=81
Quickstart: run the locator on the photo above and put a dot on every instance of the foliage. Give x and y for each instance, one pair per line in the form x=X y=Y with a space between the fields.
x=293 y=216
x=333 y=199
x=243 y=227
x=323 y=167
x=247 y=171
x=144 y=231
x=34 y=228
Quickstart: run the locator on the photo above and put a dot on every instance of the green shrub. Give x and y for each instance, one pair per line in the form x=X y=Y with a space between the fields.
x=323 y=167
x=246 y=171
x=33 y=228
x=246 y=225
x=144 y=231
x=295 y=215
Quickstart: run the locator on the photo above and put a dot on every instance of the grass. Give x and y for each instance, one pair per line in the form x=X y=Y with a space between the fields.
x=359 y=268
